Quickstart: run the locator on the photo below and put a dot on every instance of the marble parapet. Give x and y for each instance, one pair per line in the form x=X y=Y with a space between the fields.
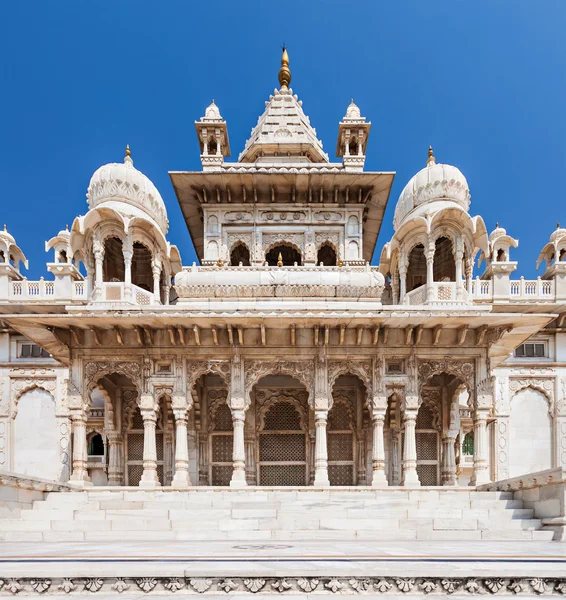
x=277 y=282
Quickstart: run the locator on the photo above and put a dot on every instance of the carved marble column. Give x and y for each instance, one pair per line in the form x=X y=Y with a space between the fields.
x=395 y=478
x=361 y=458
x=79 y=475
x=459 y=255
x=128 y=255
x=320 y=451
x=115 y=448
x=250 y=461
x=448 y=467
x=430 y=272
x=410 y=477
x=149 y=478
x=402 y=282
x=239 y=450
x=98 y=249
x=181 y=479
x=378 y=450
x=156 y=272
x=481 y=467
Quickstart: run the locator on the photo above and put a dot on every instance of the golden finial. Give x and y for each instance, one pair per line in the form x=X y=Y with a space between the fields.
x=128 y=152
x=220 y=263
x=284 y=72
x=280 y=260
x=430 y=159
x=340 y=262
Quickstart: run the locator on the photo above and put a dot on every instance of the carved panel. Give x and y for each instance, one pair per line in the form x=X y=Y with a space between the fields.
x=239 y=238
x=463 y=369
x=196 y=369
x=21 y=385
x=273 y=239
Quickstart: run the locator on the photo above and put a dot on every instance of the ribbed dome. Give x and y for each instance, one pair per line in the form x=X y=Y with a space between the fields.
x=434 y=182
x=558 y=233
x=497 y=233
x=122 y=182
x=7 y=237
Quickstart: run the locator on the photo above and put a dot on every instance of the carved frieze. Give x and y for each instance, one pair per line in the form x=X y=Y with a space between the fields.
x=363 y=369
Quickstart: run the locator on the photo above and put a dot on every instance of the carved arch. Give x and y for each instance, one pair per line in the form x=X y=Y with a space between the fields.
x=361 y=369
x=291 y=239
x=302 y=371
x=544 y=386
x=432 y=400
x=214 y=406
x=276 y=399
x=196 y=369
x=95 y=371
x=344 y=401
x=19 y=387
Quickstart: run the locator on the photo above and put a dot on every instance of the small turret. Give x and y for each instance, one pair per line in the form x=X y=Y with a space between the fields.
x=554 y=254
x=212 y=133
x=11 y=257
x=353 y=133
x=498 y=265
x=63 y=267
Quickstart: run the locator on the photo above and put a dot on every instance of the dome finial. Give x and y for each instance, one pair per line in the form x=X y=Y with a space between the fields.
x=284 y=72
x=430 y=160
x=496 y=224
x=128 y=157
x=5 y=228
x=557 y=225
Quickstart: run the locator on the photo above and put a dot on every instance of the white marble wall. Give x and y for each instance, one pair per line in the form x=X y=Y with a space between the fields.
x=36 y=447
x=530 y=433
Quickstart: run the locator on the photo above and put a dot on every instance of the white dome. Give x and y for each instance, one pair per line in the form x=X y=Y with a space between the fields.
x=212 y=112
x=7 y=237
x=433 y=183
x=122 y=182
x=353 y=112
x=558 y=233
x=497 y=233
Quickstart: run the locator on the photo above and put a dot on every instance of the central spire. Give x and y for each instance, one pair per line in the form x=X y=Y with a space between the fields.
x=284 y=72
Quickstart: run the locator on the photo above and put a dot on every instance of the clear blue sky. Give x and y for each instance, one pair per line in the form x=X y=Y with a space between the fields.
x=483 y=81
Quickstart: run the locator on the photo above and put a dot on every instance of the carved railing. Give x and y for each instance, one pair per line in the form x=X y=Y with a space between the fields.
x=441 y=293
x=522 y=290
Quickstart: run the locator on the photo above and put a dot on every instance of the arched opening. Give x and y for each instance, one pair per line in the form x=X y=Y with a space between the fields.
x=530 y=433
x=353 y=250
x=279 y=413
x=212 y=146
x=2 y=256
x=213 y=224
x=142 y=275
x=416 y=272
x=444 y=268
x=326 y=255
x=348 y=453
x=428 y=446
x=240 y=254
x=501 y=255
x=62 y=256
x=289 y=255
x=353 y=147
x=113 y=268
x=96 y=445
x=562 y=256
x=282 y=444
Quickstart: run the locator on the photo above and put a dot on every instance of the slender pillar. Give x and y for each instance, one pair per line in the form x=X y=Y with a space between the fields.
x=114 y=458
x=395 y=475
x=402 y=282
x=378 y=450
x=320 y=450
x=410 y=477
x=459 y=283
x=80 y=474
x=239 y=451
x=481 y=470
x=156 y=271
x=98 y=275
x=128 y=274
x=149 y=478
x=181 y=478
x=430 y=273
x=448 y=470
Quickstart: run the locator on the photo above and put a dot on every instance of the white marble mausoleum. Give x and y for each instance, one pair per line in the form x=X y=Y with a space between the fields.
x=284 y=360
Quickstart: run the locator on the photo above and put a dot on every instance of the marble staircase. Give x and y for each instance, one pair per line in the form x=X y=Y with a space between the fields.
x=274 y=514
